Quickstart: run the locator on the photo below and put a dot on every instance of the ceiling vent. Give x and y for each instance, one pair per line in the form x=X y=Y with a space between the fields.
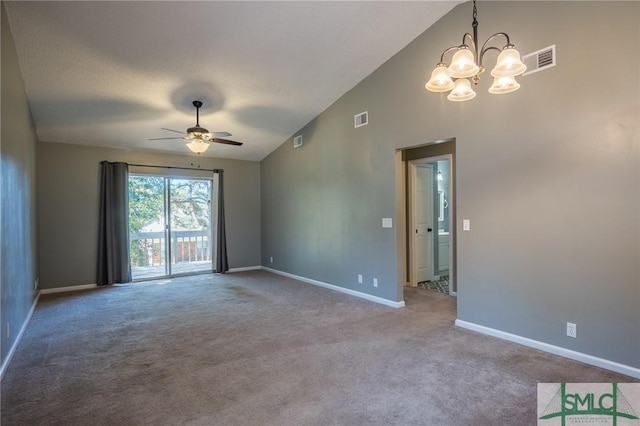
x=361 y=119
x=297 y=141
x=540 y=60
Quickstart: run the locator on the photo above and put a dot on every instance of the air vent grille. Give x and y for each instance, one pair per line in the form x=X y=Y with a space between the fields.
x=297 y=141
x=361 y=119
x=540 y=60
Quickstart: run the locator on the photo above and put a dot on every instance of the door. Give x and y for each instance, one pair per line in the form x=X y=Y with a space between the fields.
x=170 y=226
x=190 y=225
x=422 y=223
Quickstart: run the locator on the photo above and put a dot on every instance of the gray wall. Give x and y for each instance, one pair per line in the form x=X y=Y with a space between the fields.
x=18 y=261
x=68 y=205
x=540 y=173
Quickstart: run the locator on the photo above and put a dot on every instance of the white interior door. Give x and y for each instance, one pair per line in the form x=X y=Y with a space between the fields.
x=422 y=223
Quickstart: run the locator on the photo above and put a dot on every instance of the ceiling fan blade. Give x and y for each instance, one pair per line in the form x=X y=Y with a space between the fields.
x=220 y=134
x=225 y=141
x=161 y=139
x=171 y=130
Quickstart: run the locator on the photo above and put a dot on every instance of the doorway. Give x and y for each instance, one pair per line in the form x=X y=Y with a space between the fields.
x=170 y=226
x=429 y=224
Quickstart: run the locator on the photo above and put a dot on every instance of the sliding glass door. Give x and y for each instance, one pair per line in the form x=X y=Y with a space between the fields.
x=190 y=225
x=170 y=226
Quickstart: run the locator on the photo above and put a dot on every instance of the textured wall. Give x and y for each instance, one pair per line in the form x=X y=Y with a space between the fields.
x=68 y=202
x=18 y=261
x=549 y=177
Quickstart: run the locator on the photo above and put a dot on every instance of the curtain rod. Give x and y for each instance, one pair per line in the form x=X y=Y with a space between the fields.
x=178 y=168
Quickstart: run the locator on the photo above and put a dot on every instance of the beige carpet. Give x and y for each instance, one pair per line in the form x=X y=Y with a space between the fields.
x=254 y=348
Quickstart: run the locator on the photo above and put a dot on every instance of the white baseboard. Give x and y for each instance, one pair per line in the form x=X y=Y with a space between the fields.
x=246 y=268
x=359 y=294
x=556 y=350
x=7 y=360
x=69 y=288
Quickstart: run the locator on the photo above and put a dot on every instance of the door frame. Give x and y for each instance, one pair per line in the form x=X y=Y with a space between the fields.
x=167 y=210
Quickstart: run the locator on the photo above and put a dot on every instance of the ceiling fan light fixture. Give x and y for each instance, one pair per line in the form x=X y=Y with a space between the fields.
x=198 y=137
x=198 y=147
x=197 y=129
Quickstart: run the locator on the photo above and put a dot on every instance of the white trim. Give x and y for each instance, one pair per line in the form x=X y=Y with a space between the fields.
x=357 y=119
x=7 y=360
x=537 y=60
x=359 y=294
x=297 y=141
x=245 y=268
x=556 y=350
x=69 y=288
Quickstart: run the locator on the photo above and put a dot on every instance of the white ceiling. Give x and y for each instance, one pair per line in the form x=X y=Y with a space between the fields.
x=113 y=73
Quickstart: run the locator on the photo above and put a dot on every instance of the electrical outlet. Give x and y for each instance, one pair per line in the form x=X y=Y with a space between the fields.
x=36 y=283
x=359 y=278
x=375 y=282
x=572 y=329
x=271 y=259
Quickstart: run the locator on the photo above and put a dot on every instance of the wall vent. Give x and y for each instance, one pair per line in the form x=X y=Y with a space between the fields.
x=361 y=119
x=297 y=141
x=540 y=60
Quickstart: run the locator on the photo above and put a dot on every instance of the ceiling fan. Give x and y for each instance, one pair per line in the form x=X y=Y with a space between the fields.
x=199 y=137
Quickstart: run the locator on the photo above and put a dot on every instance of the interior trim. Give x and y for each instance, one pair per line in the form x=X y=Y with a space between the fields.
x=68 y=288
x=556 y=350
x=245 y=268
x=359 y=294
x=7 y=360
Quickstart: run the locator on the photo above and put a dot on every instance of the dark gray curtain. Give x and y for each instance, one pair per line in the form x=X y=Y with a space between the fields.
x=222 y=263
x=113 y=235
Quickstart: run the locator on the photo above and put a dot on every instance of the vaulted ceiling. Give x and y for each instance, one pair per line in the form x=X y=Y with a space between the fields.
x=114 y=73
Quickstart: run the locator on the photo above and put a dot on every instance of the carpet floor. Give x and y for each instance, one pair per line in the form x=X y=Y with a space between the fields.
x=254 y=348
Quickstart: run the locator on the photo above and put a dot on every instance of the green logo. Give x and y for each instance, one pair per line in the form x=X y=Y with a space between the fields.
x=584 y=403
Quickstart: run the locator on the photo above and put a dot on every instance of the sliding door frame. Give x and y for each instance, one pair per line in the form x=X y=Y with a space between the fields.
x=168 y=231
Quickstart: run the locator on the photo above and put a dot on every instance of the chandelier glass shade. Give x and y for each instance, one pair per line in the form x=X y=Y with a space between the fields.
x=440 y=81
x=462 y=91
x=509 y=63
x=466 y=63
x=502 y=85
x=463 y=64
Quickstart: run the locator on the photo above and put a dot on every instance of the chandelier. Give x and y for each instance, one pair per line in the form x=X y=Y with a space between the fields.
x=467 y=64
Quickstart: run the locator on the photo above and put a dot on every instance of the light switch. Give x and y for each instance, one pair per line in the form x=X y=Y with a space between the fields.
x=387 y=222
x=466 y=225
